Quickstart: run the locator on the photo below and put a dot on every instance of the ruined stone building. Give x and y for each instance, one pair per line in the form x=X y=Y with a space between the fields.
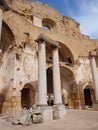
x=44 y=56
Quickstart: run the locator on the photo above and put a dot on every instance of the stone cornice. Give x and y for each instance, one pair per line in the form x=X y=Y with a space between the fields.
x=93 y=53
x=49 y=42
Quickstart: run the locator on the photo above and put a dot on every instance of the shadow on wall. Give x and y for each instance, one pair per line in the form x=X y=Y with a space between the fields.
x=1 y=102
x=2 y=97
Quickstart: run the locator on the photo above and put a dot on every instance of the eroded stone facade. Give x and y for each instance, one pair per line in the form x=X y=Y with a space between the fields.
x=22 y=23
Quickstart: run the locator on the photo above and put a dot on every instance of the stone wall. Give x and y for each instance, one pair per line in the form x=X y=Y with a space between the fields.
x=22 y=25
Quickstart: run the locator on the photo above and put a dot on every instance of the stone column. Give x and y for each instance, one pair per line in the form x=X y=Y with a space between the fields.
x=95 y=75
x=42 y=87
x=58 y=110
x=56 y=77
x=1 y=18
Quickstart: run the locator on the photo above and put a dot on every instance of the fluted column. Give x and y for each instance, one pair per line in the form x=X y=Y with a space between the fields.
x=1 y=18
x=42 y=87
x=56 y=77
x=95 y=75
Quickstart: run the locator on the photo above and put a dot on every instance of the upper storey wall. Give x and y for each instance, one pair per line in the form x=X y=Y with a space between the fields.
x=63 y=24
x=42 y=15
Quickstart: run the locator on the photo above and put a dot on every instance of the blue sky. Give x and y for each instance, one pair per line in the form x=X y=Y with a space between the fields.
x=83 y=11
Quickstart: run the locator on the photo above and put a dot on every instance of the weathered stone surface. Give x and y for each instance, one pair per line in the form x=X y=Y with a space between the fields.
x=43 y=113
x=19 y=58
x=37 y=118
x=59 y=112
x=95 y=106
x=47 y=114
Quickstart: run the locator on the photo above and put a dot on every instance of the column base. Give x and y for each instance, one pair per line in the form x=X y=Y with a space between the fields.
x=45 y=112
x=95 y=106
x=59 y=111
x=49 y=113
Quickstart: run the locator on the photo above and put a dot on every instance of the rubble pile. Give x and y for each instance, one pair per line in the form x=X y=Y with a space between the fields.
x=27 y=117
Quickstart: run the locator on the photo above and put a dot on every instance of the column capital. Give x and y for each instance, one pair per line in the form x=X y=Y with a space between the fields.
x=93 y=53
x=48 y=41
x=41 y=42
x=55 y=47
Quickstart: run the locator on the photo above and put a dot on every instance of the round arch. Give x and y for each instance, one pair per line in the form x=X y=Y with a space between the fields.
x=89 y=95
x=49 y=24
x=88 y=85
x=28 y=95
x=7 y=37
x=65 y=54
x=67 y=83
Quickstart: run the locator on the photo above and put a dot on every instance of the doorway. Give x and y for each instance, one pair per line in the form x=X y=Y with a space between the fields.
x=25 y=97
x=28 y=96
x=87 y=97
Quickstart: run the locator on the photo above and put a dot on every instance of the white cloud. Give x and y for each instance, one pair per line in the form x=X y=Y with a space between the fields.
x=87 y=16
x=89 y=25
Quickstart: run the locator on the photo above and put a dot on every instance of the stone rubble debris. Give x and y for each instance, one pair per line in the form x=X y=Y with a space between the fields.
x=27 y=117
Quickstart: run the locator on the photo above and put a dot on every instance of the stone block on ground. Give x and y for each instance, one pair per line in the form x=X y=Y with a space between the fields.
x=47 y=114
x=37 y=118
x=95 y=107
x=59 y=112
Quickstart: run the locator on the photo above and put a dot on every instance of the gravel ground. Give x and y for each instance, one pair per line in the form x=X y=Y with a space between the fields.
x=74 y=120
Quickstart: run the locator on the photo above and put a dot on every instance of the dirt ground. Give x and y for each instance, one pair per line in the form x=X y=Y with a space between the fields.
x=74 y=120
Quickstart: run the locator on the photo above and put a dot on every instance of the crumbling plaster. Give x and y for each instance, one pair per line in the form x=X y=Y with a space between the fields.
x=19 y=63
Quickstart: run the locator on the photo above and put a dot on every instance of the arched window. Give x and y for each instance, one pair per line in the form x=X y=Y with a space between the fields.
x=46 y=27
x=48 y=24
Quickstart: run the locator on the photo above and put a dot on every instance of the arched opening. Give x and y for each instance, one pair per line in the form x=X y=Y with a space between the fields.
x=50 y=81
x=45 y=27
x=50 y=98
x=48 y=24
x=28 y=96
x=67 y=77
x=67 y=85
x=65 y=55
x=7 y=37
x=88 y=96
